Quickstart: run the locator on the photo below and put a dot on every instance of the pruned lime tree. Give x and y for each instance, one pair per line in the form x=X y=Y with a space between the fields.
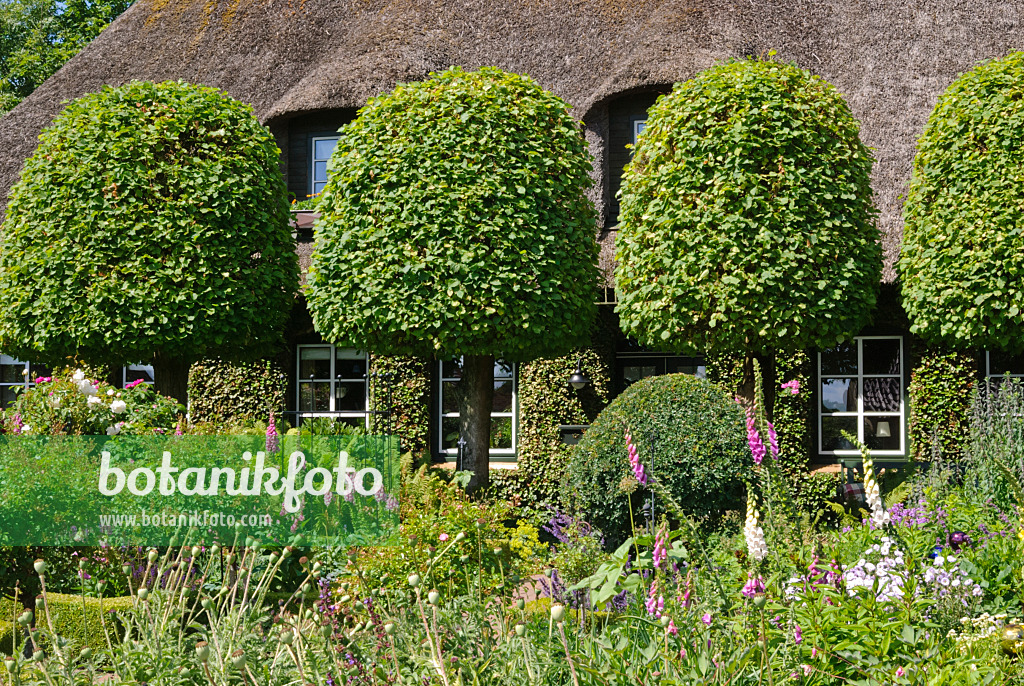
x=960 y=266
x=455 y=224
x=747 y=224
x=150 y=225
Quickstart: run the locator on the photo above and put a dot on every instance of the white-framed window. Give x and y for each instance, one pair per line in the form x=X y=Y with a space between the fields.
x=331 y=382
x=320 y=155
x=638 y=127
x=998 y=365
x=15 y=374
x=135 y=372
x=504 y=410
x=861 y=391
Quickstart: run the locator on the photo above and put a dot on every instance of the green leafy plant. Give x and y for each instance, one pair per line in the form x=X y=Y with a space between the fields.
x=746 y=221
x=235 y=393
x=455 y=223
x=961 y=248
x=149 y=225
x=691 y=433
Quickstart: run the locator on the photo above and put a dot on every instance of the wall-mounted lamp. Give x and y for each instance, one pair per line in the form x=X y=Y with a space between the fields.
x=578 y=379
x=883 y=430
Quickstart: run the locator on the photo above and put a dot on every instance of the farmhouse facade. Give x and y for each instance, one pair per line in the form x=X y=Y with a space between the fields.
x=306 y=68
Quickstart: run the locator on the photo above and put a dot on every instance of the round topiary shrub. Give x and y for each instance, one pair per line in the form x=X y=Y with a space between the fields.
x=690 y=436
x=747 y=222
x=962 y=241
x=150 y=226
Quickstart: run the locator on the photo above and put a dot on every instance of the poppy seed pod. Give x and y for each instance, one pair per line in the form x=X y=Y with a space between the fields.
x=389 y=629
x=433 y=597
x=414 y=580
x=202 y=651
x=459 y=537
x=11 y=664
x=85 y=654
x=40 y=567
x=143 y=593
x=287 y=637
x=152 y=555
x=38 y=656
x=520 y=630
x=557 y=612
x=520 y=604
x=238 y=659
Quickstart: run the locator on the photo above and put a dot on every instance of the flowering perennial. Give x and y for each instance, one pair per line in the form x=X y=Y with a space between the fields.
x=634 y=461
x=756 y=545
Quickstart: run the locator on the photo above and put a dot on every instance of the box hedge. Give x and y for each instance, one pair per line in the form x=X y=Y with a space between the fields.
x=690 y=435
x=74 y=619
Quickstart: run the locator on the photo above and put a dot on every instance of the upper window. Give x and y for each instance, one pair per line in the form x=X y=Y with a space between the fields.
x=630 y=367
x=332 y=383
x=504 y=414
x=15 y=374
x=638 y=127
x=861 y=392
x=320 y=156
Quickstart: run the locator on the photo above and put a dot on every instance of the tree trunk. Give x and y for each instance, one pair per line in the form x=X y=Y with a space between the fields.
x=170 y=377
x=475 y=401
x=768 y=382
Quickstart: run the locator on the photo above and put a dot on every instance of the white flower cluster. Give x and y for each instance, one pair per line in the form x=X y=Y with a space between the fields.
x=950 y=581
x=87 y=387
x=756 y=545
x=882 y=569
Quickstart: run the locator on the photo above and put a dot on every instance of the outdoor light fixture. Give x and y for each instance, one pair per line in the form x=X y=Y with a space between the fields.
x=578 y=379
x=883 y=430
x=340 y=390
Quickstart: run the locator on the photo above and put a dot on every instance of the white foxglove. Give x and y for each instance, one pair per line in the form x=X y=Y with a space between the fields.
x=756 y=545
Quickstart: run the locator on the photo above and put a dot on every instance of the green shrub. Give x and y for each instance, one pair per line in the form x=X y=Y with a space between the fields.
x=689 y=433
x=74 y=618
x=941 y=386
x=960 y=259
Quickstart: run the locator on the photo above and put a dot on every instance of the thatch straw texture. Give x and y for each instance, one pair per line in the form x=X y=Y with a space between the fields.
x=891 y=58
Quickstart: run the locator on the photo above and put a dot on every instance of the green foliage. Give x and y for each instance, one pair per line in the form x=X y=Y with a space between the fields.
x=940 y=390
x=546 y=400
x=690 y=435
x=746 y=219
x=232 y=393
x=455 y=222
x=38 y=36
x=77 y=619
x=404 y=382
x=151 y=220
x=960 y=259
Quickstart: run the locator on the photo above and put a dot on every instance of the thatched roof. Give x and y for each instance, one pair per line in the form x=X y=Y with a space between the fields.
x=891 y=58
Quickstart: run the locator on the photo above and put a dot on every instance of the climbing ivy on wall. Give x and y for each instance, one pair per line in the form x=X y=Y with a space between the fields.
x=940 y=390
x=409 y=391
x=227 y=393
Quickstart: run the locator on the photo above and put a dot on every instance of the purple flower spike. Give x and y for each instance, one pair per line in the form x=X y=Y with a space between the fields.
x=634 y=461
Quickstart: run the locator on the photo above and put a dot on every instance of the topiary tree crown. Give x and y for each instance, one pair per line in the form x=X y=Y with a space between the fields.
x=150 y=224
x=689 y=434
x=455 y=222
x=963 y=236
x=746 y=221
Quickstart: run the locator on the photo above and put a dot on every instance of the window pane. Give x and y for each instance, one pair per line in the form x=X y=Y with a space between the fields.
x=323 y=148
x=882 y=395
x=502 y=370
x=449 y=396
x=318 y=187
x=634 y=372
x=882 y=356
x=319 y=171
x=349 y=368
x=502 y=397
x=12 y=373
x=838 y=395
x=839 y=360
x=831 y=438
x=316 y=362
x=350 y=396
x=314 y=397
x=1001 y=363
x=684 y=365
x=449 y=433
x=451 y=369
x=501 y=433
x=137 y=371
x=882 y=433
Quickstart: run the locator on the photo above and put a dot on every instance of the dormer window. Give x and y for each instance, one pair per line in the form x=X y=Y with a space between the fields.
x=323 y=146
